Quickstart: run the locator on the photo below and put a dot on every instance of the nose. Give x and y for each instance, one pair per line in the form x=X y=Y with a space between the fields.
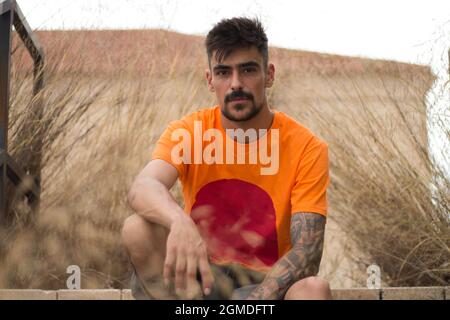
x=236 y=84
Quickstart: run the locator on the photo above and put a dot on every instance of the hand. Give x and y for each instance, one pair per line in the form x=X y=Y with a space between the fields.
x=186 y=253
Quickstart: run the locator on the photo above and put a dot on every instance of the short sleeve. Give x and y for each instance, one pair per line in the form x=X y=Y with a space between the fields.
x=174 y=137
x=309 y=193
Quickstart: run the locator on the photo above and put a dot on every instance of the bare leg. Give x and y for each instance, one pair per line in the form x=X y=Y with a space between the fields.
x=145 y=243
x=311 y=288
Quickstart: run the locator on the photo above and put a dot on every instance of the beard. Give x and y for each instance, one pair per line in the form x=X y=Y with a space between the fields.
x=239 y=112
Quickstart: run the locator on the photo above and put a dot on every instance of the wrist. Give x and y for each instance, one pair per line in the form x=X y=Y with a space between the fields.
x=179 y=217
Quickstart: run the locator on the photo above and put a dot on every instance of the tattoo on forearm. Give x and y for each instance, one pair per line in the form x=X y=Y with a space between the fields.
x=303 y=260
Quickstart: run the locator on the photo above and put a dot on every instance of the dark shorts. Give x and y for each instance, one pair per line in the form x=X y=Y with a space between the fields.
x=228 y=280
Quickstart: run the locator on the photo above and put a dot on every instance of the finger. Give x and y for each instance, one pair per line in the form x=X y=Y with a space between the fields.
x=168 y=267
x=180 y=271
x=191 y=281
x=191 y=267
x=206 y=274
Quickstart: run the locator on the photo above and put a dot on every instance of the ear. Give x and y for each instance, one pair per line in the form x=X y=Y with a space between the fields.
x=208 y=76
x=270 y=76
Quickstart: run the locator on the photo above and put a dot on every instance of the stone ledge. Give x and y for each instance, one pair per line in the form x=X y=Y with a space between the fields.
x=400 y=293
x=356 y=294
x=413 y=293
x=126 y=295
x=27 y=294
x=90 y=294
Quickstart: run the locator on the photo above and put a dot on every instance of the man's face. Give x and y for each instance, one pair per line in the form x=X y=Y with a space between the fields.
x=240 y=83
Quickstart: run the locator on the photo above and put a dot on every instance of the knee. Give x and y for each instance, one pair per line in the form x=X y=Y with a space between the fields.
x=311 y=287
x=317 y=284
x=135 y=235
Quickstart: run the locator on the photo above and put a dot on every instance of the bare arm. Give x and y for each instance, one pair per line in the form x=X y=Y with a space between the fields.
x=149 y=197
x=149 y=194
x=303 y=260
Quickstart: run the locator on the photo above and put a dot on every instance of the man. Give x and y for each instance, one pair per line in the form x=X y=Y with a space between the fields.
x=254 y=184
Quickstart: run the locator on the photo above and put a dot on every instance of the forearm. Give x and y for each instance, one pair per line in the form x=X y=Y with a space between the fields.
x=153 y=201
x=301 y=261
x=294 y=266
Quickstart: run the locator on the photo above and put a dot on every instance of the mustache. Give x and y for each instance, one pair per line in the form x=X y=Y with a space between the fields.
x=238 y=95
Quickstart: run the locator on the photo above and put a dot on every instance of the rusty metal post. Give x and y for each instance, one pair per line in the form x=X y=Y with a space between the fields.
x=10 y=14
x=32 y=166
x=6 y=20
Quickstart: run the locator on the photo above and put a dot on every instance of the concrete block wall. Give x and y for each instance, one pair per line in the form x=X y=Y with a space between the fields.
x=391 y=293
x=404 y=293
x=86 y=294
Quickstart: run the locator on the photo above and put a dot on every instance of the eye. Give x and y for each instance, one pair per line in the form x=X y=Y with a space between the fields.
x=249 y=69
x=222 y=72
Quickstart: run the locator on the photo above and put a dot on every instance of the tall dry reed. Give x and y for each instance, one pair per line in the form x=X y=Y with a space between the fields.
x=109 y=95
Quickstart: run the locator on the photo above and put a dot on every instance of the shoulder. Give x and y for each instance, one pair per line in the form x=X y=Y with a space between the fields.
x=204 y=115
x=296 y=134
x=201 y=114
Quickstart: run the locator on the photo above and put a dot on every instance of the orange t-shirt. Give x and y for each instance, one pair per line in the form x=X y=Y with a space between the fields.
x=252 y=189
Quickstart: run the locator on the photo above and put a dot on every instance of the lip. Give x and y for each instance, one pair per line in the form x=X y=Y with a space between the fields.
x=239 y=100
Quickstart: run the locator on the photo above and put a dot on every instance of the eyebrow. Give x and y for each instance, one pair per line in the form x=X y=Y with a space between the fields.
x=240 y=65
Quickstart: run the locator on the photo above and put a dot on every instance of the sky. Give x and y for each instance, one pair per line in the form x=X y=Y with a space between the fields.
x=413 y=31
x=387 y=29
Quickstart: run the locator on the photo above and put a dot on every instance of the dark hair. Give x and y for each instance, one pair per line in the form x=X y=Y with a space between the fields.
x=230 y=34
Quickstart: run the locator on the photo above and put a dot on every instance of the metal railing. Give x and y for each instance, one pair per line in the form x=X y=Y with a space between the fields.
x=11 y=15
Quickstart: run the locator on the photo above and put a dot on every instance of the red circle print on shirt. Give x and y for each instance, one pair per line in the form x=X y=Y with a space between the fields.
x=240 y=225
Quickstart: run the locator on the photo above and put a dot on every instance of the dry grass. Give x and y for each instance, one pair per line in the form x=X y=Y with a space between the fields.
x=109 y=95
x=382 y=178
